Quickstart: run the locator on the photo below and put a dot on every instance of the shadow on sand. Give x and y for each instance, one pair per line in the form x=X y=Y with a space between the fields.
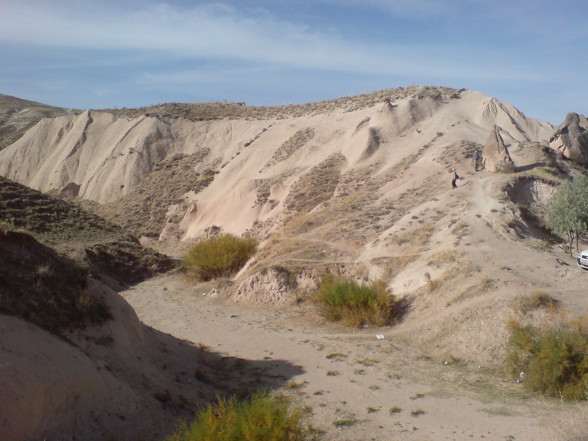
x=199 y=376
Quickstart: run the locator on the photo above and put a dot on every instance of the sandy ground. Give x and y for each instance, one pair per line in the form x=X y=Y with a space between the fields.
x=359 y=386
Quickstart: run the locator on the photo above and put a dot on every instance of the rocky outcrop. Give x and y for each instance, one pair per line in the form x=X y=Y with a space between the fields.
x=495 y=155
x=571 y=138
x=275 y=285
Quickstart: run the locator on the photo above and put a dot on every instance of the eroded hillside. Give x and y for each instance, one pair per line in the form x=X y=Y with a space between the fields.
x=359 y=187
x=76 y=361
x=102 y=247
x=18 y=115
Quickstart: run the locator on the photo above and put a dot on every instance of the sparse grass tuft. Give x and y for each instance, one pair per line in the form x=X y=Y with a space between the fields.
x=206 y=111
x=460 y=230
x=417 y=237
x=540 y=245
x=219 y=256
x=394 y=410
x=551 y=361
x=6 y=224
x=444 y=257
x=260 y=419
x=293 y=385
x=42 y=287
x=505 y=167
x=367 y=361
x=479 y=287
x=356 y=304
x=337 y=356
x=537 y=300
x=351 y=420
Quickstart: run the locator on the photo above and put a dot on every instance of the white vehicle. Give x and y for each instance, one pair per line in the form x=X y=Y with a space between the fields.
x=583 y=259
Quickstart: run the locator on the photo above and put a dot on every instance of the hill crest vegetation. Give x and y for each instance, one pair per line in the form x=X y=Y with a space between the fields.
x=214 y=110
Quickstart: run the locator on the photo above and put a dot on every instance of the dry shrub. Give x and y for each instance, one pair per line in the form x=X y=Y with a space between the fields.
x=432 y=285
x=540 y=245
x=443 y=257
x=6 y=224
x=417 y=237
x=298 y=224
x=44 y=288
x=474 y=290
x=220 y=256
x=460 y=229
x=537 y=300
x=552 y=361
x=393 y=265
x=582 y=323
x=505 y=167
x=357 y=304
x=316 y=186
x=259 y=419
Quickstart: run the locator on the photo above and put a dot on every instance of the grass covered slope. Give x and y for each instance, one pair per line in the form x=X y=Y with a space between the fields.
x=143 y=211
x=44 y=288
x=18 y=115
x=86 y=238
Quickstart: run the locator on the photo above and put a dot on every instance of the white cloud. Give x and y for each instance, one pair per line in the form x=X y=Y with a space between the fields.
x=406 y=8
x=223 y=33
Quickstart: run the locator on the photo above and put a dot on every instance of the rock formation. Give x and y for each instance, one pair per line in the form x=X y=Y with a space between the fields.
x=495 y=155
x=571 y=138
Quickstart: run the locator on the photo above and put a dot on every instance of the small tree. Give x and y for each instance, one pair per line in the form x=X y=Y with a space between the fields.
x=567 y=213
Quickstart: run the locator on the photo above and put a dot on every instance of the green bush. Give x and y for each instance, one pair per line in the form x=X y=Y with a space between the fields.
x=567 y=213
x=260 y=419
x=219 y=256
x=553 y=361
x=356 y=304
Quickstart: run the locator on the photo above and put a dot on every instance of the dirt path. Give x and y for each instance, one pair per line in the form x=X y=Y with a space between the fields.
x=359 y=386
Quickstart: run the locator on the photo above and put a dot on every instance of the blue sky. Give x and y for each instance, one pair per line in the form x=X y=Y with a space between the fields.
x=129 y=53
